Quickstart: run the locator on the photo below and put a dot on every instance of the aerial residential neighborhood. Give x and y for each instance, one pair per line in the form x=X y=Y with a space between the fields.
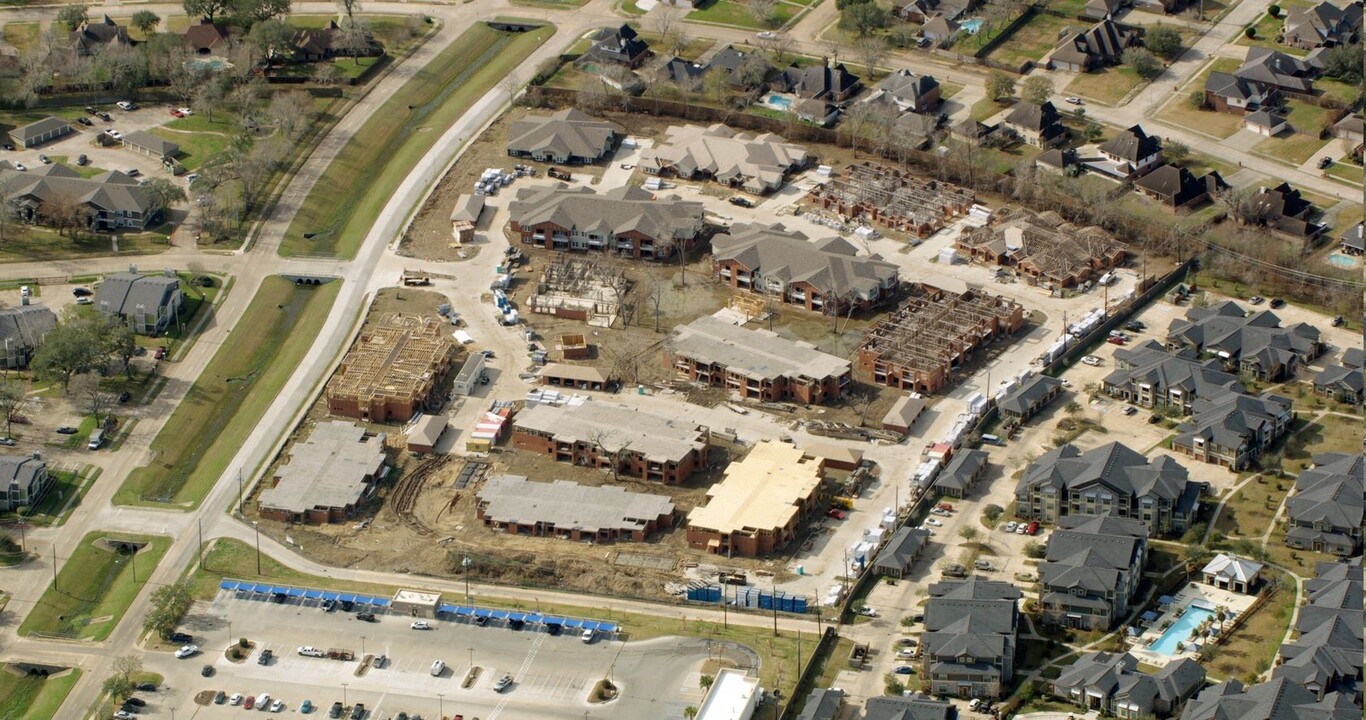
x=682 y=359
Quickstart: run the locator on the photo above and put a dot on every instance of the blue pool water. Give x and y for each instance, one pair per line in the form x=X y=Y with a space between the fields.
x=208 y=63
x=1180 y=630
x=1343 y=261
x=972 y=26
x=780 y=102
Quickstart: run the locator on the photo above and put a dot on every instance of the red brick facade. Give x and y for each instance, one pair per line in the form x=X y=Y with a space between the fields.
x=631 y=243
x=633 y=464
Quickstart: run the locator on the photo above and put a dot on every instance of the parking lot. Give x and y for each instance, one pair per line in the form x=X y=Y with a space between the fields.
x=553 y=675
x=82 y=142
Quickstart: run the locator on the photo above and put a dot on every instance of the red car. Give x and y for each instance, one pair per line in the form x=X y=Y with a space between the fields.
x=249 y=702
x=945 y=506
x=177 y=113
x=1115 y=340
x=837 y=513
x=1033 y=528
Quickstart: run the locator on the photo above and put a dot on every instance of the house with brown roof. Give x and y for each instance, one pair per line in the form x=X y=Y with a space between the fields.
x=1322 y=25
x=205 y=38
x=1038 y=125
x=1132 y=152
x=1087 y=50
x=1178 y=187
x=91 y=36
x=1283 y=209
x=828 y=81
x=568 y=136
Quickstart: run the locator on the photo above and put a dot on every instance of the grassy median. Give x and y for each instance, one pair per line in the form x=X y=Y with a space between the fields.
x=34 y=697
x=227 y=401
x=353 y=189
x=94 y=587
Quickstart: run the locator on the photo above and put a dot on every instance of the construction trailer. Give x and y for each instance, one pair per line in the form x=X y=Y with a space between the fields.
x=470 y=376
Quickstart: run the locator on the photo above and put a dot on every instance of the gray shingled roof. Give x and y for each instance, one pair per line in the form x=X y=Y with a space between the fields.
x=822 y=704
x=1024 y=399
x=1114 y=466
x=903 y=546
x=830 y=264
x=568 y=505
x=613 y=212
x=1230 y=419
x=1150 y=363
x=26 y=325
x=1277 y=699
x=964 y=466
x=1330 y=493
x=331 y=469
x=758 y=354
x=111 y=191
x=914 y=707
x=40 y=128
x=1225 y=327
x=124 y=293
x=148 y=141
x=568 y=132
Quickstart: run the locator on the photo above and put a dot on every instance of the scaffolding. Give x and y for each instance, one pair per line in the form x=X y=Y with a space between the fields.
x=584 y=289
x=392 y=370
x=1044 y=246
x=894 y=199
x=933 y=333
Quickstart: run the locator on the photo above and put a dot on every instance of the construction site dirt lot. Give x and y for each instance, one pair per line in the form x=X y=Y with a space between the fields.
x=429 y=234
x=442 y=529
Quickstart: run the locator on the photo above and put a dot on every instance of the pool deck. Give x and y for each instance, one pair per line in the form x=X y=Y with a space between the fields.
x=1195 y=592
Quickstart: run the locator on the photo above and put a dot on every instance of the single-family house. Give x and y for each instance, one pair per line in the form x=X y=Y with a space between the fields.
x=1103 y=9
x=1276 y=69
x=828 y=81
x=1038 y=125
x=1179 y=188
x=1283 y=209
x=1349 y=128
x=1133 y=150
x=205 y=38
x=1094 y=48
x=908 y=91
x=1265 y=122
x=620 y=45
x=1226 y=92
x=922 y=11
x=1321 y=25
x=1351 y=241
x=91 y=36
x=940 y=30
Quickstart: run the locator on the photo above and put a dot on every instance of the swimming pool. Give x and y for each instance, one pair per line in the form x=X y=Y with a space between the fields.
x=215 y=64
x=1180 y=631
x=1342 y=261
x=780 y=102
x=972 y=26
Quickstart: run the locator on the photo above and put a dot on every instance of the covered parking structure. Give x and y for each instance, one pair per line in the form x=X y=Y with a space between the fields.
x=479 y=615
x=245 y=590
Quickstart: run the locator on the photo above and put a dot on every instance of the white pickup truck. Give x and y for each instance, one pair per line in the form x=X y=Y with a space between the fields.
x=310 y=651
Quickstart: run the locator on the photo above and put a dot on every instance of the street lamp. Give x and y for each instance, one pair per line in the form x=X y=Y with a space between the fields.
x=257 y=525
x=471 y=657
x=441 y=705
x=362 y=646
x=466 y=564
x=343 y=694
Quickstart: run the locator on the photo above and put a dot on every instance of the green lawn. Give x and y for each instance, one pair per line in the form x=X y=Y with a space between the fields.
x=1248 y=513
x=1290 y=147
x=1251 y=647
x=1210 y=122
x=29 y=244
x=736 y=14
x=34 y=697
x=552 y=4
x=228 y=558
x=1346 y=171
x=1267 y=28
x=1070 y=8
x=1332 y=433
x=1030 y=41
x=1337 y=90
x=1305 y=118
x=86 y=170
x=223 y=122
x=65 y=494
x=230 y=396
x=195 y=147
x=21 y=35
x=94 y=588
x=351 y=192
x=986 y=107
x=629 y=7
x=1107 y=87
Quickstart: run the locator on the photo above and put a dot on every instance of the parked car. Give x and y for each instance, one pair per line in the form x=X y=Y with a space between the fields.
x=743 y=202
x=185 y=111
x=20 y=167
x=127 y=105
x=1021 y=529
x=367 y=617
x=265 y=657
x=503 y=683
x=329 y=605
x=249 y=703
x=186 y=651
x=867 y=611
x=1129 y=410
x=129 y=708
x=358 y=711
x=767 y=35
x=263 y=701
x=9 y=146
x=44 y=159
x=1010 y=526
x=180 y=637
x=1073 y=100
x=933 y=522
x=139 y=702
x=903 y=670
x=310 y=651
x=236 y=699
x=147 y=687
x=104 y=116
x=1115 y=340
x=1325 y=161
x=277 y=706
x=1033 y=528
x=206 y=671
x=336 y=710
x=124 y=396
x=132 y=172
x=421 y=625
x=176 y=113
x=1134 y=326
x=347 y=605
x=111 y=132
x=1256 y=300
x=91 y=111
x=1091 y=360
x=306 y=706
x=220 y=697
x=587 y=636
x=836 y=513
x=1338 y=321
x=82 y=160
x=124 y=715
x=84 y=121
x=1277 y=303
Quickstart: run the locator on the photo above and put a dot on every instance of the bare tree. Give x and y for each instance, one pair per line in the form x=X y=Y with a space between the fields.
x=665 y=18
x=762 y=10
x=349 y=7
x=9 y=202
x=67 y=213
x=591 y=96
x=291 y=112
x=327 y=74
x=598 y=440
x=658 y=288
x=871 y=49
x=855 y=124
x=12 y=400
x=355 y=38
x=93 y=400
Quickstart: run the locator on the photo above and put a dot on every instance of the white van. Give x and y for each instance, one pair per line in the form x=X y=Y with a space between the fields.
x=96 y=439
x=438 y=667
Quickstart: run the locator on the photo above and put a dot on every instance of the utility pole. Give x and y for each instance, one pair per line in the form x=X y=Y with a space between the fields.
x=774 y=603
x=239 y=490
x=200 y=522
x=54 y=566
x=257 y=526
